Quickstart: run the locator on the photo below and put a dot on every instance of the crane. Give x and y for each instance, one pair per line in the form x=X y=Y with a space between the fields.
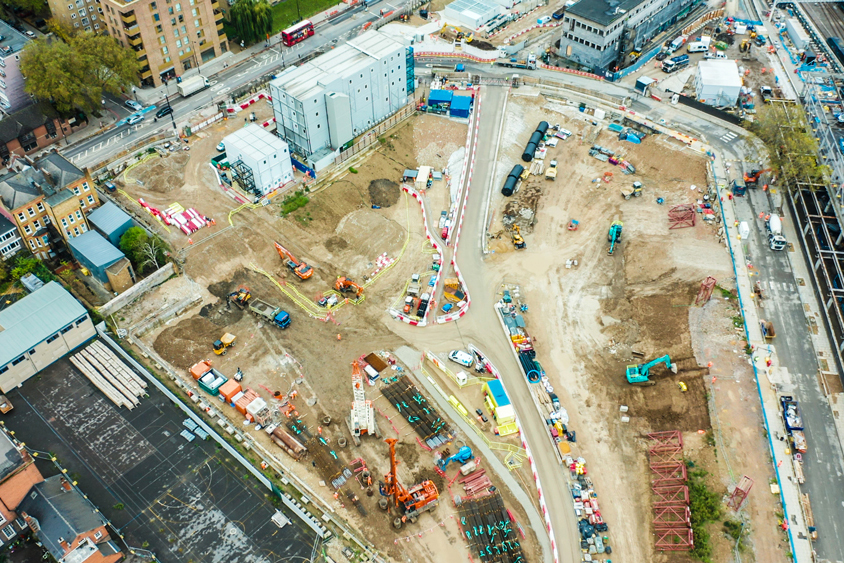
x=614 y=235
x=638 y=374
x=411 y=502
x=362 y=415
x=463 y=455
x=345 y=285
x=302 y=270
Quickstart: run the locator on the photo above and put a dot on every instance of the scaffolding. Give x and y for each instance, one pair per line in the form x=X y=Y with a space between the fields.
x=740 y=493
x=243 y=175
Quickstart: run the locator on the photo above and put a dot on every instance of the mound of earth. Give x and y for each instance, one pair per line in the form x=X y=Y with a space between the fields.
x=384 y=193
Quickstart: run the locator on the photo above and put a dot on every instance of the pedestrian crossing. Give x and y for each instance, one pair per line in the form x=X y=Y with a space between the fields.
x=772 y=289
x=729 y=136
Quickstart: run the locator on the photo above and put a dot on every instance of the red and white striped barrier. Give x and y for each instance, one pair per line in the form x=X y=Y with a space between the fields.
x=470 y=160
x=451 y=55
x=494 y=371
x=399 y=315
x=244 y=105
x=570 y=71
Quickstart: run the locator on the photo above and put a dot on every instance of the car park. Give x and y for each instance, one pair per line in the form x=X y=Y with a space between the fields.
x=462 y=358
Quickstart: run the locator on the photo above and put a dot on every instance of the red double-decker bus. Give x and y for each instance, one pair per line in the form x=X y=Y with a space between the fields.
x=298 y=32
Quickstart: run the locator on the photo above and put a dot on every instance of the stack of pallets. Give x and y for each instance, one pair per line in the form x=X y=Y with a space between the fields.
x=110 y=375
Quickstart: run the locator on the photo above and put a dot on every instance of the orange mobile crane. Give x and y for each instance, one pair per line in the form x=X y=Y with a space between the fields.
x=411 y=502
x=302 y=270
x=345 y=285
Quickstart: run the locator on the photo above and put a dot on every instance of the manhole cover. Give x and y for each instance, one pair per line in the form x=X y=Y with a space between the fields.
x=801 y=281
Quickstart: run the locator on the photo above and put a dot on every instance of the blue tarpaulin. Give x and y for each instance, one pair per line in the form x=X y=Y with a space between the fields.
x=439 y=97
x=460 y=106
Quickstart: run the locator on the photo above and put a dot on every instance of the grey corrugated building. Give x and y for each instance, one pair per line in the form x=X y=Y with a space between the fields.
x=111 y=222
x=103 y=260
x=38 y=330
x=600 y=34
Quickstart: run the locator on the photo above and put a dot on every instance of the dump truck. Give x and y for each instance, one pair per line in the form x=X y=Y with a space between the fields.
x=529 y=63
x=273 y=314
x=793 y=423
x=551 y=172
x=192 y=85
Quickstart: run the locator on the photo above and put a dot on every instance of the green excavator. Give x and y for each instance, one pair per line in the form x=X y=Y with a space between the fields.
x=638 y=374
x=614 y=236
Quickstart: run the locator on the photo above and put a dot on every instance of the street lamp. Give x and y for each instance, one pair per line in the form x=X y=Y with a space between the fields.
x=64 y=133
x=167 y=99
x=135 y=93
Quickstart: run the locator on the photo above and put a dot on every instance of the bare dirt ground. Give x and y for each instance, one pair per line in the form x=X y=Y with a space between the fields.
x=338 y=233
x=639 y=299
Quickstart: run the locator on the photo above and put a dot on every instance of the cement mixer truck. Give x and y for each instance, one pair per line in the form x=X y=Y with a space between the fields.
x=773 y=226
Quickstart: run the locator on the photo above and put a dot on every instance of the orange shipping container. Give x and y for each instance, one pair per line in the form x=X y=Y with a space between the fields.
x=200 y=368
x=229 y=389
x=248 y=396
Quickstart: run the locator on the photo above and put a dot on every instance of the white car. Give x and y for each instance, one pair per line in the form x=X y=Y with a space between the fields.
x=221 y=147
x=134 y=105
x=461 y=357
x=135 y=119
x=29 y=34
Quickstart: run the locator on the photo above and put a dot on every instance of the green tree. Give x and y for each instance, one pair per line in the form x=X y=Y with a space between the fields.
x=253 y=19
x=147 y=253
x=74 y=74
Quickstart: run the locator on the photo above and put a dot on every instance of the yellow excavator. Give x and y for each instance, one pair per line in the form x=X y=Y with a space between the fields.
x=454 y=33
x=518 y=241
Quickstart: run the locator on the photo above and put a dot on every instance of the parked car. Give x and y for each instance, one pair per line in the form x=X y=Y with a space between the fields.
x=132 y=104
x=221 y=147
x=110 y=187
x=135 y=119
x=166 y=110
x=461 y=357
x=29 y=34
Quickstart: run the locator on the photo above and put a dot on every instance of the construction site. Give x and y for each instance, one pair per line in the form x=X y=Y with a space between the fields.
x=278 y=323
x=617 y=272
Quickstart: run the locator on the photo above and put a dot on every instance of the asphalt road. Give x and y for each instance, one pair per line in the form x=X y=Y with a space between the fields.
x=824 y=460
x=269 y=61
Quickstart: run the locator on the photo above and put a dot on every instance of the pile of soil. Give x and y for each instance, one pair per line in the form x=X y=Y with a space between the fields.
x=188 y=342
x=483 y=45
x=521 y=210
x=163 y=175
x=384 y=193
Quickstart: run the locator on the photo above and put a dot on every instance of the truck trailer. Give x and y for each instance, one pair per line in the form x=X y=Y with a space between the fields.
x=192 y=85
x=271 y=313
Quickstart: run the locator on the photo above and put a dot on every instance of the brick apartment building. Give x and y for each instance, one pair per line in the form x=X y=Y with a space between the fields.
x=49 y=202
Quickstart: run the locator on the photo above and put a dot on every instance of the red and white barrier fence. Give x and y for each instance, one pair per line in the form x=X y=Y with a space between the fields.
x=451 y=55
x=470 y=160
x=531 y=28
x=240 y=106
x=570 y=71
x=399 y=315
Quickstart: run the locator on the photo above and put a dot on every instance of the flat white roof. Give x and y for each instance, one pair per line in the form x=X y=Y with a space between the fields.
x=721 y=72
x=311 y=78
x=255 y=141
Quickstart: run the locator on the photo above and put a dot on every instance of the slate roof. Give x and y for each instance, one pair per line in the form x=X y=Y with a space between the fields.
x=48 y=176
x=25 y=121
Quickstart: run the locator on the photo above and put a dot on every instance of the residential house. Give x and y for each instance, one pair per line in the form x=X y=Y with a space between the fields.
x=10 y=241
x=18 y=475
x=68 y=525
x=48 y=201
x=32 y=128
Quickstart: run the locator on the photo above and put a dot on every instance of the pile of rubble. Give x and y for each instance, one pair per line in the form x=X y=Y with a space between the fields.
x=521 y=210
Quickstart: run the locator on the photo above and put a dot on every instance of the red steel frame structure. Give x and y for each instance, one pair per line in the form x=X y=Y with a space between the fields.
x=672 y=516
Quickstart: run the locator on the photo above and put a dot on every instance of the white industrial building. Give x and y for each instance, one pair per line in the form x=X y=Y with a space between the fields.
x=797 y=34
x=473 y=14
x=717 y=83
x=259 y=159
x=323 y=104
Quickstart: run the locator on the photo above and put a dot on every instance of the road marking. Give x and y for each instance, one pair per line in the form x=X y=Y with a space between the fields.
x=729 y=136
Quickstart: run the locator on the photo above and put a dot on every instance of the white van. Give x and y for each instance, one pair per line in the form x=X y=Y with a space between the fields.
x=700 y=46
x=462 y=358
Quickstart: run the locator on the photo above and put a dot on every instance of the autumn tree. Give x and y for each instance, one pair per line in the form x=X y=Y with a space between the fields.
x=74 y=74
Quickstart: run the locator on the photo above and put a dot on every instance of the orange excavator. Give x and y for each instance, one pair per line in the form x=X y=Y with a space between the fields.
x=345 y=285
x=302 y=270
x=411 y=502
x=752 y=178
